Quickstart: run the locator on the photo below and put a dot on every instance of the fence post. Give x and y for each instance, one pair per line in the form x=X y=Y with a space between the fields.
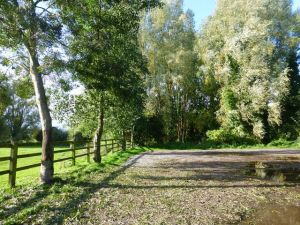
x=112 y=145
x=13 y=165
x=88 y=152
x=73 y=153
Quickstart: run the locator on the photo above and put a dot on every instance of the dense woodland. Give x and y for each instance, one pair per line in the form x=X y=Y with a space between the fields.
x=139 y=70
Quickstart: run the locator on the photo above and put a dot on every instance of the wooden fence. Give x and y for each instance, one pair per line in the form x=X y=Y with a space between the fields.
x=110 y=145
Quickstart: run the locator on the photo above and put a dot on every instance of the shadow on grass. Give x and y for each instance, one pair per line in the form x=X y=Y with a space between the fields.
x=28 y=206
x=70 y=207
x=38 y=196
x=90 y=188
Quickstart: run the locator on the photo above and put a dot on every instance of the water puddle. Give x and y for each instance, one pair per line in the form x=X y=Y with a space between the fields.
x=275 y=215
x=278 y=173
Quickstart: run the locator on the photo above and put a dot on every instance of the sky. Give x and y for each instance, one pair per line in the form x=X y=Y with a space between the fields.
x=203 y=8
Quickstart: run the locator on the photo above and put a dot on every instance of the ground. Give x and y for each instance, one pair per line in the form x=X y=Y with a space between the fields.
x=175 y=187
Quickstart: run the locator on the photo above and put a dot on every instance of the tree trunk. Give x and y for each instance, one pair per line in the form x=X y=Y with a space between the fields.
x=98 y=136
x=47 y=169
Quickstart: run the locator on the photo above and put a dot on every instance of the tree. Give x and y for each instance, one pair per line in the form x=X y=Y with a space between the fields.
x=244 y=46
x=104 y=49
x=21 y=119
x=33 y=26
x=57 y=133
x=167 y=38
x=4 y=95
x=290 y=128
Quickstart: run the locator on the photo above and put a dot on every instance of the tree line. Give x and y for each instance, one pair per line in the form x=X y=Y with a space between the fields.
x=139 y=69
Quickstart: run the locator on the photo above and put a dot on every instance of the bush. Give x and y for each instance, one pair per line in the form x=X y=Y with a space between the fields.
x=148 y=131
x=281 y=143
x=57 y=135
x=223 y=136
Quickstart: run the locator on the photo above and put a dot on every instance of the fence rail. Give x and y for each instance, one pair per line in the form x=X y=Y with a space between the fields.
x=110 y=146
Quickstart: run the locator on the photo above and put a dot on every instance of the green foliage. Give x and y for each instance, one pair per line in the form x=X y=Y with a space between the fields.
x=280 y=143
x=150 y=74
x=24 y=88
x=105 y=53
x=167 y=39
x=20 y=118
x=57 y=135
x=223 y=136
x=149 y=131
x=105 y=57
x=229 y=100
x=19 y=18
x=290 y=128
x=245 y=48
x=4 y=94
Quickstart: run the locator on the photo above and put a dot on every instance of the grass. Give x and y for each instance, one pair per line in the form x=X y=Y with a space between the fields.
x=74 y=184
x=32 y=175
x=27 y=176
x=206 y=145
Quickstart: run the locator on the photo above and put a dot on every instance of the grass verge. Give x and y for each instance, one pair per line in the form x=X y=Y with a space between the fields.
x=33 y=203
x=207 y=145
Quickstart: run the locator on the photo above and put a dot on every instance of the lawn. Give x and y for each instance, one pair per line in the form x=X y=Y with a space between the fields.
x=32 y=175
x=32 y=202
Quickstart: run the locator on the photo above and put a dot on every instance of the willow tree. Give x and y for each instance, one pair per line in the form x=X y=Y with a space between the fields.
x=104 y=49
x=244 y=46
x=167 y=38
x=31 y=26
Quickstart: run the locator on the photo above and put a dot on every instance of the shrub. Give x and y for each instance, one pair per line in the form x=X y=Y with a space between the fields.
x=57 y=135
x=281 y=142
x=223 y=136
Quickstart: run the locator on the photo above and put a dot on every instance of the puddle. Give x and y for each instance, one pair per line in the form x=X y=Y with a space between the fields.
x=275 y=215
x=278 y=173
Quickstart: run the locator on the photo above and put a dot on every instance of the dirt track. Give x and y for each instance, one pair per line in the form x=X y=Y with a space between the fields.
x=192 y=187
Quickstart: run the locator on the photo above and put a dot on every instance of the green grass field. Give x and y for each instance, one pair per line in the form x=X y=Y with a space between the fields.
x=32 y=175
x=73 y=184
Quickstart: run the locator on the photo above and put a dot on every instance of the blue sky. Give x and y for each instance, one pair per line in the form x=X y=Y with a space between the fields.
x=204 y=8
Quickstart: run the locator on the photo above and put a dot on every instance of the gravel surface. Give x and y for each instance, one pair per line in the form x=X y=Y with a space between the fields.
x=189 y=187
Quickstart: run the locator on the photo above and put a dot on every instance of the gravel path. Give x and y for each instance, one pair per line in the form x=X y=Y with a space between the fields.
x=190 y=187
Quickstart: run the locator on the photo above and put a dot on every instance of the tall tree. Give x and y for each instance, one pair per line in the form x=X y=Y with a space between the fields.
x=245 y=46
x=32 y=25
x=167 y=37
x=104 y=48
x=290 y=128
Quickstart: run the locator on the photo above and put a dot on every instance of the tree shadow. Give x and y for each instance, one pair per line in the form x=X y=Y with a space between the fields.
x=225 y=175
x=38 y=196
x=41 y=192
x=90 y=188
x=222 y=171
